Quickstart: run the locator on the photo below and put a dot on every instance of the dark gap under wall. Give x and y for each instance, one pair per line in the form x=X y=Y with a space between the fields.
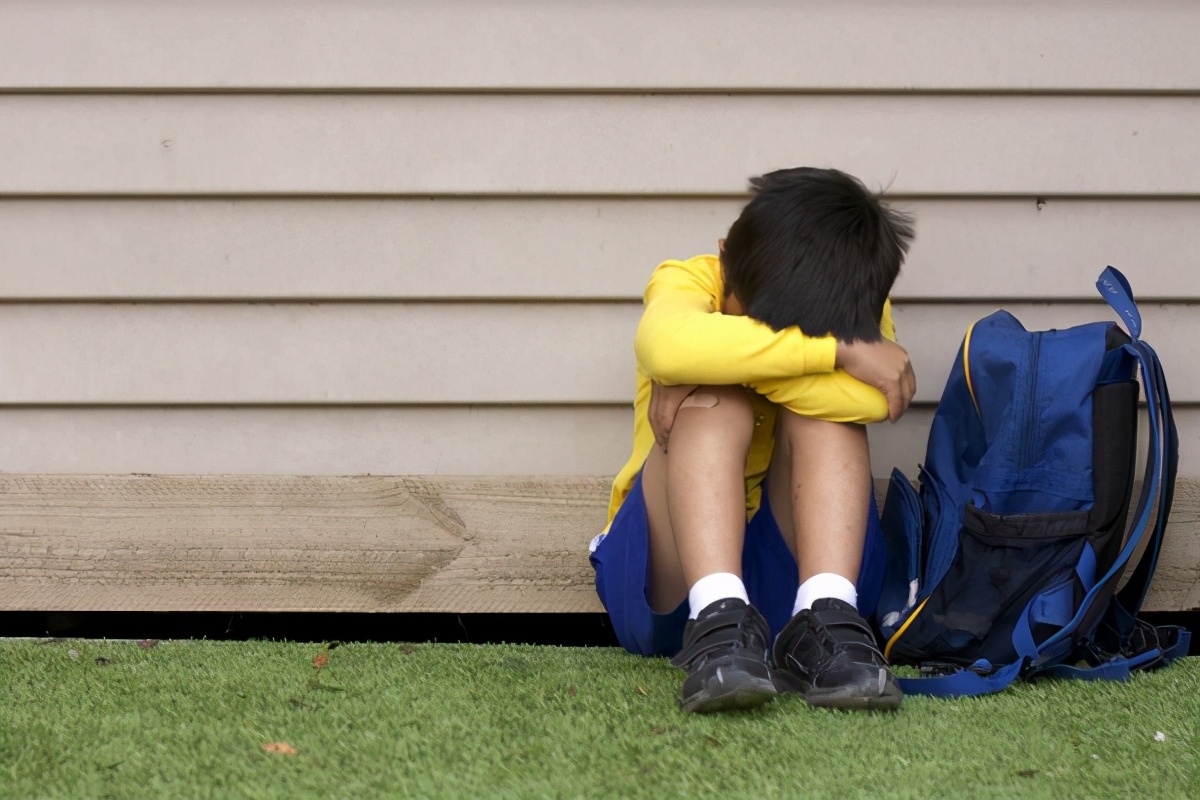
x=568 y=630
x=573 y=630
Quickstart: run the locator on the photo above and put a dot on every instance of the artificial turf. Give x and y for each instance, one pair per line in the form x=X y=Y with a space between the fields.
x=91 y=718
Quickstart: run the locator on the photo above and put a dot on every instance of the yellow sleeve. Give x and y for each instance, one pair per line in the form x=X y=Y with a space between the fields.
x=683 y=338
x=836 y=396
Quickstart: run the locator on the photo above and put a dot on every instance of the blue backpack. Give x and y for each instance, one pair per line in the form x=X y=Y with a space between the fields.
x=1006 y=564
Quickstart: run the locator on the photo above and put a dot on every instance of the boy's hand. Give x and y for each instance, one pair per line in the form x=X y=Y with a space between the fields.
x=883 y=365
x=664 y=405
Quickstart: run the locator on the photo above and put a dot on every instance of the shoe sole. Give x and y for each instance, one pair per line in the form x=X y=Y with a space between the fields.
x=846 y=698
x=854 y=702
x=730 y=686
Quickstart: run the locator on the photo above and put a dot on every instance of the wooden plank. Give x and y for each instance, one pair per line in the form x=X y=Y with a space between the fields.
x=255 y=543
x=298 y=544
x=564 y=248
x=479 y=440
x=595 y=144
x=1176 y=584
x=853 y=44
x=422 y=353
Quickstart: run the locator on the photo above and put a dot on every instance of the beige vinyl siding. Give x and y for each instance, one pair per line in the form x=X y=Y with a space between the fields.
x=316 y=238
x=592 y=144
x=389 y=440
x=423 y=353
x=549 y=248
x=319 y=440
x=532 y=45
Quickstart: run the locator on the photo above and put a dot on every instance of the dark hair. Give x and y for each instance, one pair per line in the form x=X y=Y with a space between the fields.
x=814 y=248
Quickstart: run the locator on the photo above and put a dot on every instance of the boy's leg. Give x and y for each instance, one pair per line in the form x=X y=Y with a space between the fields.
x=819 y=486
x=819 y=481
x=696 y=493
x=695 y=496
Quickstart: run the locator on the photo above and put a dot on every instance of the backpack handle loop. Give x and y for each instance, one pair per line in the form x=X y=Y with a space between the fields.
x=1114 y=288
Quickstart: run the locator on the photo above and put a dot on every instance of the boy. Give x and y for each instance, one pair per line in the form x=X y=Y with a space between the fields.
x=743 y=536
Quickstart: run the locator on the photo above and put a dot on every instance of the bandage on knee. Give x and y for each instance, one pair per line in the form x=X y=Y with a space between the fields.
x=702 y=400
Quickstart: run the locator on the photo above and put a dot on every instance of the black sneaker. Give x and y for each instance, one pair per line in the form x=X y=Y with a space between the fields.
x=829 y=655
x=725 y=655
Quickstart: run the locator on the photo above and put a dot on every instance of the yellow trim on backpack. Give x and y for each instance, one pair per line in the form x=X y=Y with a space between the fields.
x=887 y=651
x=967 y=367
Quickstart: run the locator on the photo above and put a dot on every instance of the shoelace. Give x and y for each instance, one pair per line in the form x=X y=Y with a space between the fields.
x=864 y=640
x=734 y=628
x=822 y=625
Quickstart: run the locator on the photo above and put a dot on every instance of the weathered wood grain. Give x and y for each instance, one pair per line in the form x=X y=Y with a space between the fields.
x=374 y=544
x=297 y=543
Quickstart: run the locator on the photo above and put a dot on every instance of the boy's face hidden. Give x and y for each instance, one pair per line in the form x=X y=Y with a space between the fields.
x=731 y=305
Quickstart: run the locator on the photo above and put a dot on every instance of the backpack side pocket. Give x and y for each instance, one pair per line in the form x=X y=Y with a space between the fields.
x=1001 y=564
x=902 y=521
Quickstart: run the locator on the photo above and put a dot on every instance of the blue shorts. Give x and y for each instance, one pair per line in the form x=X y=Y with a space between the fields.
x=768 y=570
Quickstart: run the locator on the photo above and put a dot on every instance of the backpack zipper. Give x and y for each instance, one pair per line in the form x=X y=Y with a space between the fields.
x=1031 y=409
x=887 y=650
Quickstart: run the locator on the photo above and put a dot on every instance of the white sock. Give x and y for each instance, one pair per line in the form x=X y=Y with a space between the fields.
x=824 y=584
x=714 y=587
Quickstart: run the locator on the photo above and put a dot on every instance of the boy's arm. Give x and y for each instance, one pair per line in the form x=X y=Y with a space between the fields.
x=683 y=339
x=836 y=397
x=874 y=382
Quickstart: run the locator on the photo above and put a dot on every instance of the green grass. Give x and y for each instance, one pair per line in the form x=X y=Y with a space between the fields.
x=188 y=719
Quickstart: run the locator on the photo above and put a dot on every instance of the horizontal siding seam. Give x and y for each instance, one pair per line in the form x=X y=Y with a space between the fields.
x=1179 y=405
x=267 y=196
x=621 y=91
x=898 y=299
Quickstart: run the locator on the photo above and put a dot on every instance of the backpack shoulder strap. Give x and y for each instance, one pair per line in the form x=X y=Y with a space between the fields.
x=1161 y=465
x=1164 y=428
x=980 y=677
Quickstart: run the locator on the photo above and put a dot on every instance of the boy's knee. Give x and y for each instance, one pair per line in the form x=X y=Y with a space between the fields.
x=726 y=401
x=789 y=422
x=792 y=428
x=717 y=411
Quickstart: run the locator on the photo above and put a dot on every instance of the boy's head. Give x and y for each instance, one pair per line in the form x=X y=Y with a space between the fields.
x=815 y=249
